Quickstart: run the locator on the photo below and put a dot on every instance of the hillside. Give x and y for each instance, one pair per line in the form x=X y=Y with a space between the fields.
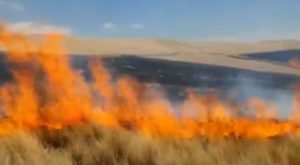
x=213 y=53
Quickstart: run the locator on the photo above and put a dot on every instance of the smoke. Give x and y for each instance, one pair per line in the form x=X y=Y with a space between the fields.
x=249 y=87
x=35 y=28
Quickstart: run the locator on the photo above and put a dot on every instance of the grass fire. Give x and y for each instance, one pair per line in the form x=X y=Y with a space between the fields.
x=50 y=114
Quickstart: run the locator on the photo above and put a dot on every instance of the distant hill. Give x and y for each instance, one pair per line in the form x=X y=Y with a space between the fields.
x=213 y=53
x=165 y=46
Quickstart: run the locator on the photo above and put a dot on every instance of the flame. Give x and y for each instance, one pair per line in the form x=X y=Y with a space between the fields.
x=46 y=92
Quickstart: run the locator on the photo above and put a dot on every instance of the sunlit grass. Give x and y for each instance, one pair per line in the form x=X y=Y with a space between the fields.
x=88 y=145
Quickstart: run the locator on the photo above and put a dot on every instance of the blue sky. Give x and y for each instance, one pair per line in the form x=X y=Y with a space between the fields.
x=244 y=20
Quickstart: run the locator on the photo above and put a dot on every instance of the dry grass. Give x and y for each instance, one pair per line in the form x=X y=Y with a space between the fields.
x=88 y=145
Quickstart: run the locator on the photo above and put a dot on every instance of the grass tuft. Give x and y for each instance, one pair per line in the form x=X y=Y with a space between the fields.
x=89 y=145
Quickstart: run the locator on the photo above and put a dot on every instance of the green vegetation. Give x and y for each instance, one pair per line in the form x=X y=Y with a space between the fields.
x=88 y=145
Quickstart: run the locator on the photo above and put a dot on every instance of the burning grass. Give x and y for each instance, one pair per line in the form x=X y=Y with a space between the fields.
x=50 y=114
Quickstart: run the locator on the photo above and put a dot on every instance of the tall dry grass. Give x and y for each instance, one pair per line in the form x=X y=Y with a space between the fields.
x=88 y=145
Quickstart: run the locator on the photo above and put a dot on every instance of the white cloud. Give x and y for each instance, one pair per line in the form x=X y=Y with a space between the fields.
x=37 y=28
x=14 y=5
x=108 y=25
x=137 y=26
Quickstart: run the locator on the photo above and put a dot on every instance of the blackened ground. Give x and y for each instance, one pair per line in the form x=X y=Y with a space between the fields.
x=278 y=57
x=176 y=77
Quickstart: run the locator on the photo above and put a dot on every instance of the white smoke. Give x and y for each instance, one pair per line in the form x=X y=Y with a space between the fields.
x=33 y=28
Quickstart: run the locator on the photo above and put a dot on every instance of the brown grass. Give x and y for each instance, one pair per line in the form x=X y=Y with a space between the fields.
x=88 y=145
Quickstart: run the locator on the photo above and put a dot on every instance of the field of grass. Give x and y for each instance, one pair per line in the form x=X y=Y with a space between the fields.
x=88 y=145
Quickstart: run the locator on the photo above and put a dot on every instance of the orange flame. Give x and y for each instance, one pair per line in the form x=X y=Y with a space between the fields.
x=46 y=92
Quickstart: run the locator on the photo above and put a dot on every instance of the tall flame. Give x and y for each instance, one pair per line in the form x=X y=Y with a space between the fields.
x=46 y=92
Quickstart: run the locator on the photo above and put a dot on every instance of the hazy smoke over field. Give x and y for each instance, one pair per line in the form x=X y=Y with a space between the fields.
x=248 y=87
